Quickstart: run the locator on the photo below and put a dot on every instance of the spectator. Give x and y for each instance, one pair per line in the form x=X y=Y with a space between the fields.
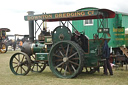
x=106 y=55
x=20 y=44
x=14 y=45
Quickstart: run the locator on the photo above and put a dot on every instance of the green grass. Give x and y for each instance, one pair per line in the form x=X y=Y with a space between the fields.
x=48 y=78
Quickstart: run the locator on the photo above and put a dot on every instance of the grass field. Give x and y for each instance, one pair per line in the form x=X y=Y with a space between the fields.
x=120 y=77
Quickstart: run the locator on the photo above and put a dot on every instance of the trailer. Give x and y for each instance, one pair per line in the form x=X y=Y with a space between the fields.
x=118 y=30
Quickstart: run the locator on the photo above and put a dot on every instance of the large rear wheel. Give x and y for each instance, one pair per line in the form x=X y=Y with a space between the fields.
x=66 y=59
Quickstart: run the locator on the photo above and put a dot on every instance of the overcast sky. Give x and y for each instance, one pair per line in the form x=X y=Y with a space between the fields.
x=12 y=12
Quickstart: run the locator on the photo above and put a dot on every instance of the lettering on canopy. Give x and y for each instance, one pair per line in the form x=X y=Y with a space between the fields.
x=61 y=15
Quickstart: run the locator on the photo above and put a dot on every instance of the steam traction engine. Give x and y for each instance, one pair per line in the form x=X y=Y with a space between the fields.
x=3 y=46
x=65 y=52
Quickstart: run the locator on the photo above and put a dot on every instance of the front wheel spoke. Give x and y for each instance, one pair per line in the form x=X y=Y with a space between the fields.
x=22 y=59
x=65 y=71
x=32 y=67
x=17 y=59
x=73 y=55
x=15 y=62
x=39 y=66
x=15 y=66
x=74 y=63
x=23 y=69
x=59 y=64
x=17 y=69
x=25 y=63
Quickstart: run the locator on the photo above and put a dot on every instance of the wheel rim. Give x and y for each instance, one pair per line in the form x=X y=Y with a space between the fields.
x=4 y=48
x=20 y=64
x=37 y=66
x=65 y=59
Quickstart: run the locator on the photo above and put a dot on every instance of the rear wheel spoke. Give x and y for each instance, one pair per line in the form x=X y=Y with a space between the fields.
x=74 y=63
x=65 y=71
x=62 y=48
x=57 y=56
x=73 y=55
x=69 y=69
x=59 y=64
x=59 y=60
x=70 y=51
x=67 y=50
x=61 y=67
x=74 y=58
x=61 y=53
x=73 y=68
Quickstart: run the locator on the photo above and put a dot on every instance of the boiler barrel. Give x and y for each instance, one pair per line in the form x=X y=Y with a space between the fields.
x=38 y=48
x=32 y=48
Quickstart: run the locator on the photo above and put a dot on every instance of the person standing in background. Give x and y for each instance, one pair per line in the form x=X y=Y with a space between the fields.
x=106 y=55
x=20 y=44
x=14 y=45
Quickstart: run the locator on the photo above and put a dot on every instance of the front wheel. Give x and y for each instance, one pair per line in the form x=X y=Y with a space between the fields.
x=20 y=63
x=66 y=59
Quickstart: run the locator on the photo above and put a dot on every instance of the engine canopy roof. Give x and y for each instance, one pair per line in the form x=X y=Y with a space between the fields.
x=76 y=15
